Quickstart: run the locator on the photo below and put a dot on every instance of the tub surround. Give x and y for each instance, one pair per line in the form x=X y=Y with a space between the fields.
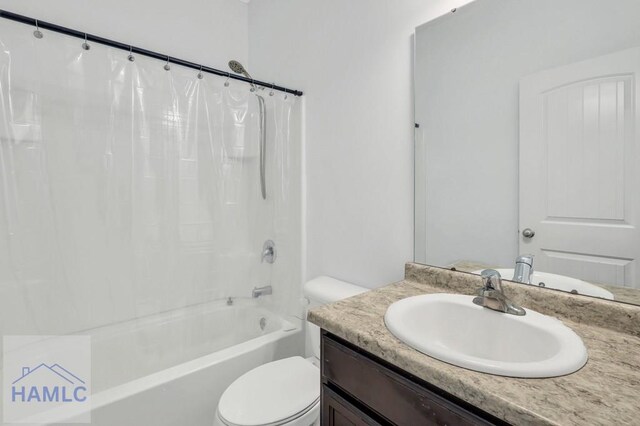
x=603 y=392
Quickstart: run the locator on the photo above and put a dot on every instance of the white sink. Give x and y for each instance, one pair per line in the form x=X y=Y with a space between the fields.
x=451 y=328
x=560 y=282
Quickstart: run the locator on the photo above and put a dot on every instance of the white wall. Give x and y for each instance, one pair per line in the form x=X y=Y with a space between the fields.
x=468 y=67
x=207 y=31
x=353 y=59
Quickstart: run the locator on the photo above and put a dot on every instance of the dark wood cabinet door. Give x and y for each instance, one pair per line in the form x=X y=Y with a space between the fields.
x=336 y=411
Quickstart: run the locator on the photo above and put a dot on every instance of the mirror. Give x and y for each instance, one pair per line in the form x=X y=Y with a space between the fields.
x=527 y=143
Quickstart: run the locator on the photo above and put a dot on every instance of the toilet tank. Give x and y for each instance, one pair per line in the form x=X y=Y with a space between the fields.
x=321 y=291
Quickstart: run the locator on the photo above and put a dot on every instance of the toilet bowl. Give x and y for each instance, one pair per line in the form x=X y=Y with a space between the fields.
x=285 y=392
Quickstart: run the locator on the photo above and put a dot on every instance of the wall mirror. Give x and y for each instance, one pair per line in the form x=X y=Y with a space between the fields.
x=527 y=143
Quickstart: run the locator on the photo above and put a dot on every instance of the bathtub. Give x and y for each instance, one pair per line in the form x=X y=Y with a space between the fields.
x=171 y=369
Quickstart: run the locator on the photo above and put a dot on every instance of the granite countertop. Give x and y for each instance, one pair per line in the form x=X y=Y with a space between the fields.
x=605 y=391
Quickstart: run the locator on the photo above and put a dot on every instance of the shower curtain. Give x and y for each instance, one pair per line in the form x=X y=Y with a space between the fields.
x=127 y=189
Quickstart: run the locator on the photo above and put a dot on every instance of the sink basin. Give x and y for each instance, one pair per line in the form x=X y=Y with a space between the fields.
x=560 y=282
x=451 y=328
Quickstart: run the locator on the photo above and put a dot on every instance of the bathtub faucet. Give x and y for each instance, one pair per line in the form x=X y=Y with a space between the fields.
x=262 y=291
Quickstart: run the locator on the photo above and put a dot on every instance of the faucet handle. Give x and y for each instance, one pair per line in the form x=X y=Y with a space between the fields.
x=525 y=258
x=491 y=295
x=492 y=280
x=269 y=253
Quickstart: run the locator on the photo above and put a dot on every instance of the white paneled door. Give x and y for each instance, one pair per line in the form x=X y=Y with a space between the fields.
x=580 y=169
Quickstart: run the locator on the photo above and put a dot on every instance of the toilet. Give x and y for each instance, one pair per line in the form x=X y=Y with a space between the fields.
x=287 y=391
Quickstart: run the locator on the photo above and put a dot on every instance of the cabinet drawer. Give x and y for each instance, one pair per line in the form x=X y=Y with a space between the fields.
x=392 y=396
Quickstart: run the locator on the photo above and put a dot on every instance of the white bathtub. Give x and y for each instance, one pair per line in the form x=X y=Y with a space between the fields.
x=171 y=368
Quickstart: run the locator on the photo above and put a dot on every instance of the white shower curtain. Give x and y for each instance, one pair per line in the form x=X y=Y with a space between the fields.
x=127 y=190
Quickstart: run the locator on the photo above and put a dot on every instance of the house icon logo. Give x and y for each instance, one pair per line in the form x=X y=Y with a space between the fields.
x=48 y=383
x=46 y=379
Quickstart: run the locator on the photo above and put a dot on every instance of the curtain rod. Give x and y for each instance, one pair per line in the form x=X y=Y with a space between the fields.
x=137 y=50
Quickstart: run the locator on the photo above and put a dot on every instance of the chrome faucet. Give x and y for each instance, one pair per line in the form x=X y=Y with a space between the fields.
x=492 y=296
x=261 y=291
x=524 y=269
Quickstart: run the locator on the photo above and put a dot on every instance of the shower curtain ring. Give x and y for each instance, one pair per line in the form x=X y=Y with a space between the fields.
x=200 y=75
x=37 y=33
x=253 y=86
x=226 y=83
x=271 y=93
x=167 y=67
x=85 y=45
x=131 y=58
x=286 y=95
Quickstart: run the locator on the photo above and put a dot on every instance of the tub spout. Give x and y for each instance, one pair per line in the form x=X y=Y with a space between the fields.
x=262 y=291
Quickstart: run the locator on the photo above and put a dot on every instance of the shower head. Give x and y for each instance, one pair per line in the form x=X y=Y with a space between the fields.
x=238 y=68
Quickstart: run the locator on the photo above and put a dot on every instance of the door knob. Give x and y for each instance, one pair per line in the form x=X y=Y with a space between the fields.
x=528 y=233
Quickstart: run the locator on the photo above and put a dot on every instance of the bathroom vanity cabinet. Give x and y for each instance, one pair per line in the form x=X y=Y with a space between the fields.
x=361 y=389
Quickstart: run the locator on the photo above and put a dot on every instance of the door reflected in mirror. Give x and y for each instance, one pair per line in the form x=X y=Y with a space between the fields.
x=527 y=143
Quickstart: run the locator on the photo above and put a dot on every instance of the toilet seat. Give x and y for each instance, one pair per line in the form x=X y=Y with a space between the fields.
x=272 y=394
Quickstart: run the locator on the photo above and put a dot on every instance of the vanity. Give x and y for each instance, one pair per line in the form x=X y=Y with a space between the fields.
x=359 y=388
x=369 y=376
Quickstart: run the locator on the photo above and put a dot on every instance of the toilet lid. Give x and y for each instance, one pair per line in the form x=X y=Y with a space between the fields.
x=271 y=394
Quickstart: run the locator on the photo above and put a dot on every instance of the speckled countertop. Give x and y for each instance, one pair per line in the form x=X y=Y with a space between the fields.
x=605 y=391
x=621 y=294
